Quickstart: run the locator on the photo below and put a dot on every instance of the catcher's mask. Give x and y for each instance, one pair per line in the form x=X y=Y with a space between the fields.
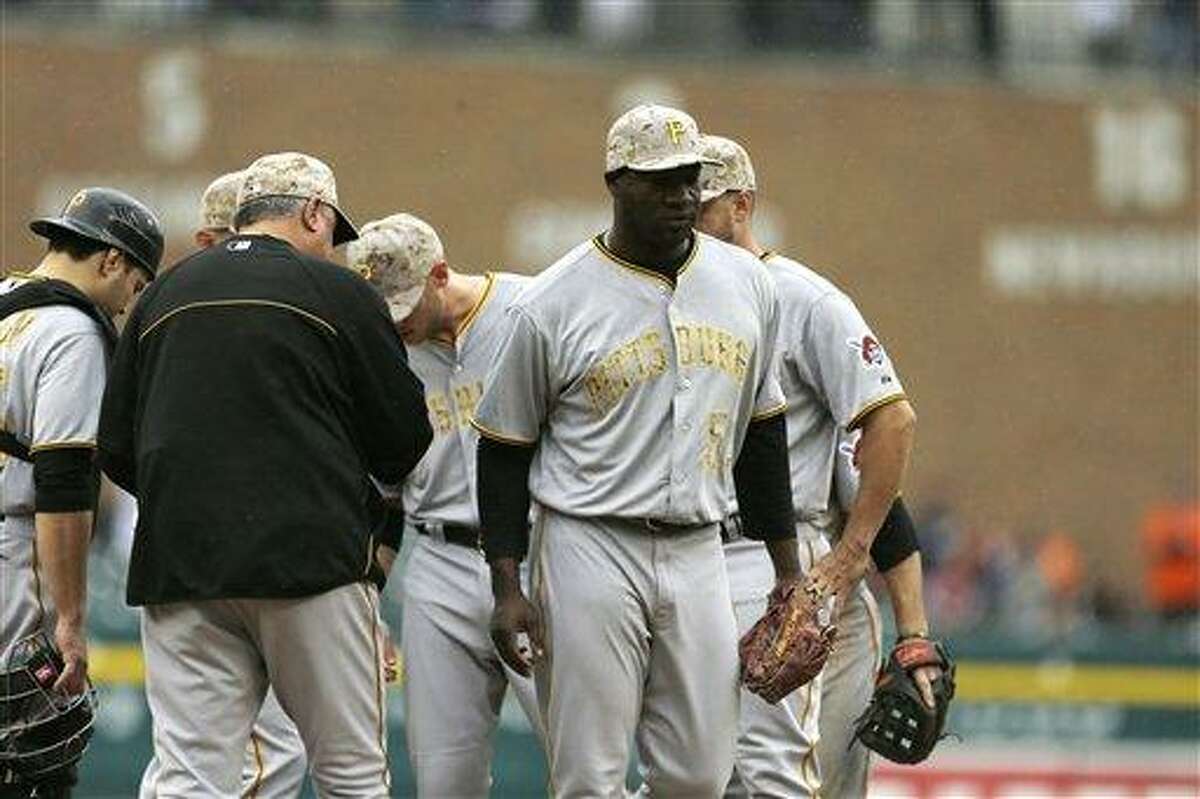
x=42 y=731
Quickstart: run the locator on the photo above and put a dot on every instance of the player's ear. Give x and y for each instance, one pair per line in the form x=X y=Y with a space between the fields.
x=743 y=205
x=439 y=274
x=203 y=239
x=111 y=262
x=310 y=214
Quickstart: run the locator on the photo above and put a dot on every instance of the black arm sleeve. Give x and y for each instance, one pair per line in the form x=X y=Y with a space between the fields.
x=896 y=539
x=389 y=399
x=391 y=531
x=114 y=439
x=763 y=481
x=503 y=486
x=65 y=480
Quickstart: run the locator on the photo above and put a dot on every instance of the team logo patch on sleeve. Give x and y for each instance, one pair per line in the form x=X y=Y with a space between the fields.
x=869 y=349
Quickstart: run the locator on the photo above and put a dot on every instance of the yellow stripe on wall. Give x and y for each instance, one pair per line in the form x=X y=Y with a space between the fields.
x=120 y=663
x=1153 y=686
x=1079 y=684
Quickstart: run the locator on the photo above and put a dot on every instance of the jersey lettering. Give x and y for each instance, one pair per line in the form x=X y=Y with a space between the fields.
x=448 y=414
x=639 y=360
x=712 y=348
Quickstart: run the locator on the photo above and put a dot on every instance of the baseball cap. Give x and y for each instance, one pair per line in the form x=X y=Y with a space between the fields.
x=395 y=255
x=731 y=172
x=652 y=138
x=295 y=175
x=219 y=202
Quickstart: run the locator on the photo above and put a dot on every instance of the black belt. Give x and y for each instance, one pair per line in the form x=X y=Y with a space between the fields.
x=731 y=527
x=459 y=534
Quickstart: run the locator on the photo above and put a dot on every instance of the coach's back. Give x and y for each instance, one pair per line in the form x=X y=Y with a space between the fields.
x=255 y=388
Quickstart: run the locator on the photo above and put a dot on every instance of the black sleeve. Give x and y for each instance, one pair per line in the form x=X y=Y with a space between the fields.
x=114 y=439
x=763 y=481
x=503 y=496
x=391 y=532
x=389 y=400
x=65 y=480
x=896 y=539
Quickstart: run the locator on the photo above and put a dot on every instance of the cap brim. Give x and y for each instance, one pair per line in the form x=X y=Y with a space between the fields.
x=401 y=304
x=710 y=194
x=671 y=162
x=345 y=230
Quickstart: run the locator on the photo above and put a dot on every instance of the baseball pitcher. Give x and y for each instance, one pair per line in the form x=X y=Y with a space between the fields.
x=635 y=392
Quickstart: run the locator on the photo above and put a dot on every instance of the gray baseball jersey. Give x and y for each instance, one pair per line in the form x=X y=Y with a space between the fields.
x=54 y=369
x=834 y=372
x=442 y=486
x=638 y=394
x=608 y=366
x=454 y=681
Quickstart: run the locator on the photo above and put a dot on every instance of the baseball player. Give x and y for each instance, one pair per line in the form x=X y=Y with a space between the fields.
x=275 y=761
x=453 y=325
x=56 y=334
x=635 y=391
x=839 y=384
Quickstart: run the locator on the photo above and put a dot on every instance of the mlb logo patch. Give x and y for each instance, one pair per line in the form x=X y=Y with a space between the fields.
x=46 y=674
x=869 y=349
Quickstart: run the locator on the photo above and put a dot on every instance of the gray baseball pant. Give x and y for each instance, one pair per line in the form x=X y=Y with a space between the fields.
x=208 y=665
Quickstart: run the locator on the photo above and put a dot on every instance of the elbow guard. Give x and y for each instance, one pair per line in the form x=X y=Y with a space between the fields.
x=65 y=480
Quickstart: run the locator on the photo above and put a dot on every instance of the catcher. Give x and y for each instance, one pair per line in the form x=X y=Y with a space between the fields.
x=56 y=334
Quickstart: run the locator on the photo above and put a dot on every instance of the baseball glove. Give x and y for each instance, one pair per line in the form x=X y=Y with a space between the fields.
x=788 y=646
x=898 y=724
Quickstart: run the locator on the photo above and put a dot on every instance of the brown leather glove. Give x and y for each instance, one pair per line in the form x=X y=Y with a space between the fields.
x=788 y=646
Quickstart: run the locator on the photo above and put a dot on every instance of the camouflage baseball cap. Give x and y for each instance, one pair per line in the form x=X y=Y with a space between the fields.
x=731 y=172
x=652 y=138
x=395 y=255
x=219 y=202
x=295 y=175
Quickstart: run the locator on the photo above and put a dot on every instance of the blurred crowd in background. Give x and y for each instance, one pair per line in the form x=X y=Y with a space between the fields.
x=1160 y=36
x=1035 y=584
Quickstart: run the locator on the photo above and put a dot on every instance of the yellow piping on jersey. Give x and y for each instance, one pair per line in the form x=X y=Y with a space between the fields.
x=598 y=243
x=774 y=410
x=473 y=314
x=379 y=686
x=259 y=768
x=191 y=306
x=874 y=406
x=503 y=439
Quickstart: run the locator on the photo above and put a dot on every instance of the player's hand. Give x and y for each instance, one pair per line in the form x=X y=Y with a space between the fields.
x=391 y=667
x=385 y=556
x=72 y=645
x=833 y=574
x=517 y=632
x=924 y=677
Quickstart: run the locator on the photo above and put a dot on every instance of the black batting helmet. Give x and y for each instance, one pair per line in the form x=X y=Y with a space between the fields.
x=110 y=217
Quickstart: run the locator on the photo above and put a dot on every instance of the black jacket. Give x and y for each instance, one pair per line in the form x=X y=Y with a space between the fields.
x=254 y=390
